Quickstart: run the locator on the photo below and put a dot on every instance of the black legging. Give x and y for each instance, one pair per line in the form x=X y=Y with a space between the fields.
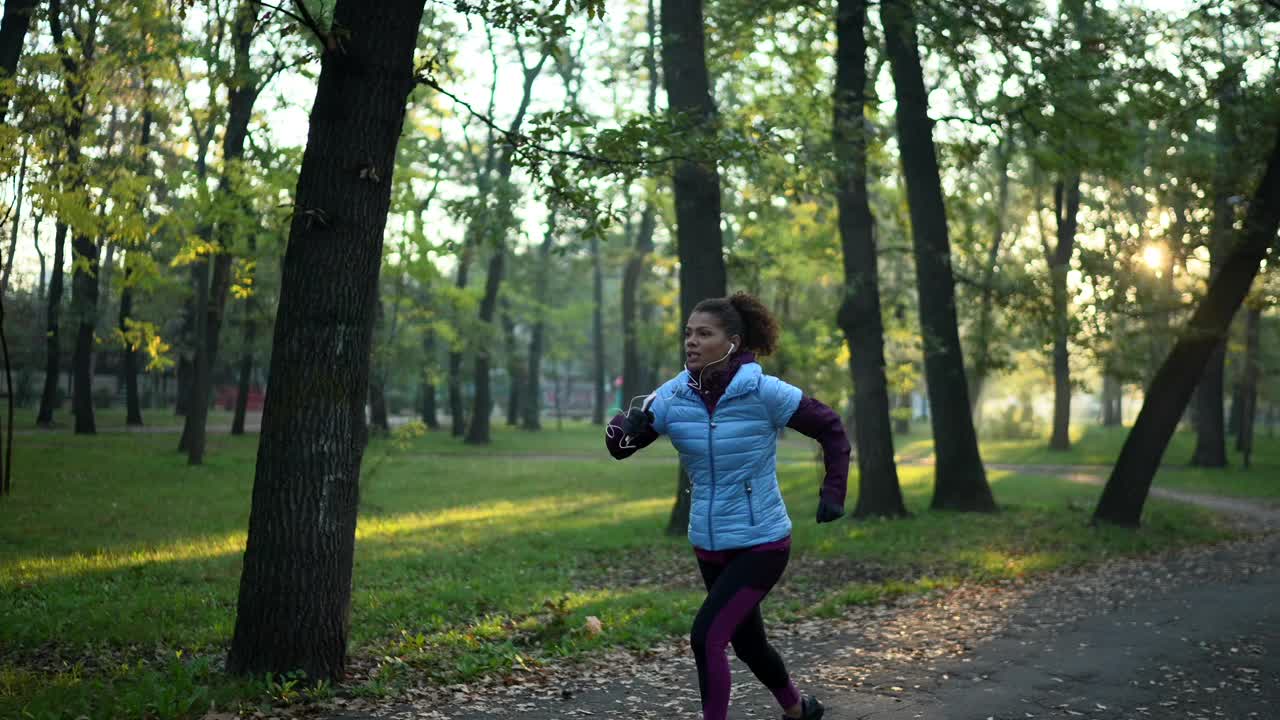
x=731 y=614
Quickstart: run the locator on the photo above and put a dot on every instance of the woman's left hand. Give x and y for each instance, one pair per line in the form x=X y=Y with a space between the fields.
x=828 y=511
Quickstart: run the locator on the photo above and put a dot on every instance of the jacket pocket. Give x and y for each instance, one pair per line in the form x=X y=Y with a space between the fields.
x=751 y=503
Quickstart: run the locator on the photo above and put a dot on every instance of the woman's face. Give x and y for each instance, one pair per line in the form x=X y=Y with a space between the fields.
x=706 y=342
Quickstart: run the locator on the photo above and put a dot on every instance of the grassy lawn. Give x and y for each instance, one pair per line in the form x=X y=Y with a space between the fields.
x=119 y=565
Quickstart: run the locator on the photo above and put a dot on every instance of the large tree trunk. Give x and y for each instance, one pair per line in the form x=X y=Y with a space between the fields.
x=13 y=32
x=294 y=610
x=697 y=185
x=1168 y=395
x=531 y=416
x=243 y=92
x=878 y=491
x=961 y=480
x=1249 y=383
x=597 y=333
x=1211 y=438
x=1066 y=207
x=84 y=307
x=53 y=350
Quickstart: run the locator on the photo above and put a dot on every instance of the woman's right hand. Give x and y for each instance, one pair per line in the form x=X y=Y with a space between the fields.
x=637 y=421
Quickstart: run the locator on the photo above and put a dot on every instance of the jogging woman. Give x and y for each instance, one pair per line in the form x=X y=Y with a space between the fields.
x=723 y=415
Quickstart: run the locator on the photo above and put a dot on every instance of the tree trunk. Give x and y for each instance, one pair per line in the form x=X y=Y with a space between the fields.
x=1066 y=208
x=13 y=32
x=1211 y=440
x=17 y=221
x=878 y=491
x=532 y=407
x=1249 y=384
x=597 y=333
x=294 y=610
x=515 y=369
x=633 y=380
x=245 y=380
x=633 y=367
x=129 y=355
x=1170 y=391
x=982 y=352
x=53 y=350
x=242 y=93
x=84 y=307
x=428 y=385
x=961 y=482
x=696 y=185
x=458 y=426
x=478 y=432
x=1112 y=395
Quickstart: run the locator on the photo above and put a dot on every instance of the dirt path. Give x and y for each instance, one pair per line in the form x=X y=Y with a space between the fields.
x=1191 y=634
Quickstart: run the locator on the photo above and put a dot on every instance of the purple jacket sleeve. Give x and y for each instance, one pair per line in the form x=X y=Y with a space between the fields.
x=622 y=447
x=823 y=424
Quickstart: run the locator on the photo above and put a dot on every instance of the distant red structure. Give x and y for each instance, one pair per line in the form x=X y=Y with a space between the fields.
x=226 y=398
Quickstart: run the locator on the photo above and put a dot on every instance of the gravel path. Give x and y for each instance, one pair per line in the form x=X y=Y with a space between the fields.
x=1188 y=634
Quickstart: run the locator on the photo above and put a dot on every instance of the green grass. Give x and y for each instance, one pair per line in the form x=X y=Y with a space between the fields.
x=114 y=417
x=119 y=564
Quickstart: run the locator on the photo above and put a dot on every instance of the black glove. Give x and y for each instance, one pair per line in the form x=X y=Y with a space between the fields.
x=828 y=511
x=637 y=421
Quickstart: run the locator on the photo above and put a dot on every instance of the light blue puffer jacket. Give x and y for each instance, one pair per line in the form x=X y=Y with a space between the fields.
x=731 y=456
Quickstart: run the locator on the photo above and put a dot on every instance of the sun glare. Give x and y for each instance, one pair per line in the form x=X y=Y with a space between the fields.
x=1153 y=256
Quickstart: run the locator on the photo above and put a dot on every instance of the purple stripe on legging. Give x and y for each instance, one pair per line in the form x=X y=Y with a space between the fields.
x=716 y=704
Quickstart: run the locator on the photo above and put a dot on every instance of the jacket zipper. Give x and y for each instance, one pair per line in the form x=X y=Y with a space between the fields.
x=711 y=459
x=751 y=510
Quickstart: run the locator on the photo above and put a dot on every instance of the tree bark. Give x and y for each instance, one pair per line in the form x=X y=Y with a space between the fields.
x=458 y=426
x=961 y=481
x=294 y=608
x=696 y=185
x=531 y=415
x=1211 y=439
x=1167 y=397
x=1066 y=208
x=879 y=493
x=13 y=33
x=597 y=333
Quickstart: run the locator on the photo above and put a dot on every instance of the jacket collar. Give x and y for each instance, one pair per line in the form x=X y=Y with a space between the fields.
x=742 y=369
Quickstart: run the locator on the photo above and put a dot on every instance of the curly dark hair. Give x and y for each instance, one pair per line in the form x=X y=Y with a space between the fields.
x=743 y=315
